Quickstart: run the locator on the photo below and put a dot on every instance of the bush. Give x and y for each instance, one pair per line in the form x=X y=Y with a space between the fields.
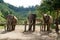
x=53 y=26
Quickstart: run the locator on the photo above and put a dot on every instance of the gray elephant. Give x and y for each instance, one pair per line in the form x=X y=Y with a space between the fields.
x=32 y=19
x=47 y=21
x=11 y=22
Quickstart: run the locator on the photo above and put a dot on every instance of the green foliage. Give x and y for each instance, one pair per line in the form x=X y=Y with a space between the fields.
x=1 y=27
x=1 y=17
x=1 y=1
x=53 y=26
x=45 y=6
x=49 y=7
x=56 y=4
x=22 y=12
x=4 y=11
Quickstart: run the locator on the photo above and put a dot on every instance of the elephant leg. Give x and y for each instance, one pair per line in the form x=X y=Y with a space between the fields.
x=57 y=29
x=33 y=25
x=10 y=28
x=30 y=25
x=44 y=26
x=7 y=27
x=13 y=27
x=48 y=27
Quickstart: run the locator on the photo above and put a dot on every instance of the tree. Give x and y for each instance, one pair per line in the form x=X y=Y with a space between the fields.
x=46 y=6
x=56 y=7
x=1 y=1
x=5 y=12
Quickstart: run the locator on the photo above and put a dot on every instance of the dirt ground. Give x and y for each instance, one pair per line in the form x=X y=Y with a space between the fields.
x=19 y=34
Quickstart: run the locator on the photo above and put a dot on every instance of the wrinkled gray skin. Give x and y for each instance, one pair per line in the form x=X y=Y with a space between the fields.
x=11 y=22
x=32 y=19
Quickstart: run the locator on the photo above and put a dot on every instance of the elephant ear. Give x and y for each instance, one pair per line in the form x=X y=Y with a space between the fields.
x=15 y=17
x=51 y=19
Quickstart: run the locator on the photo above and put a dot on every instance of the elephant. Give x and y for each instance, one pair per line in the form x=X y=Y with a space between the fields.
x=47 y=21
x=11 y=22
x=32 y=19
x=56 y=21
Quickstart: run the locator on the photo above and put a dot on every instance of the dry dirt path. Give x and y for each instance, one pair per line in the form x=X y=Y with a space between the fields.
x=19 y=35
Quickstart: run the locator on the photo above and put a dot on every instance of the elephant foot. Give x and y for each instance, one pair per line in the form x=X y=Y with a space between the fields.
x=29 y=30
x=13 y=29
x=8 y=30
x=33 y=31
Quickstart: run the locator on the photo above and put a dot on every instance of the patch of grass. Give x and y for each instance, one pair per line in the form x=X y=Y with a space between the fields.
x=1 y=27
x=53 y=26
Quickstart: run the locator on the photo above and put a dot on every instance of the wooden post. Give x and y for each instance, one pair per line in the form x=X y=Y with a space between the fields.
x=25 y=22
